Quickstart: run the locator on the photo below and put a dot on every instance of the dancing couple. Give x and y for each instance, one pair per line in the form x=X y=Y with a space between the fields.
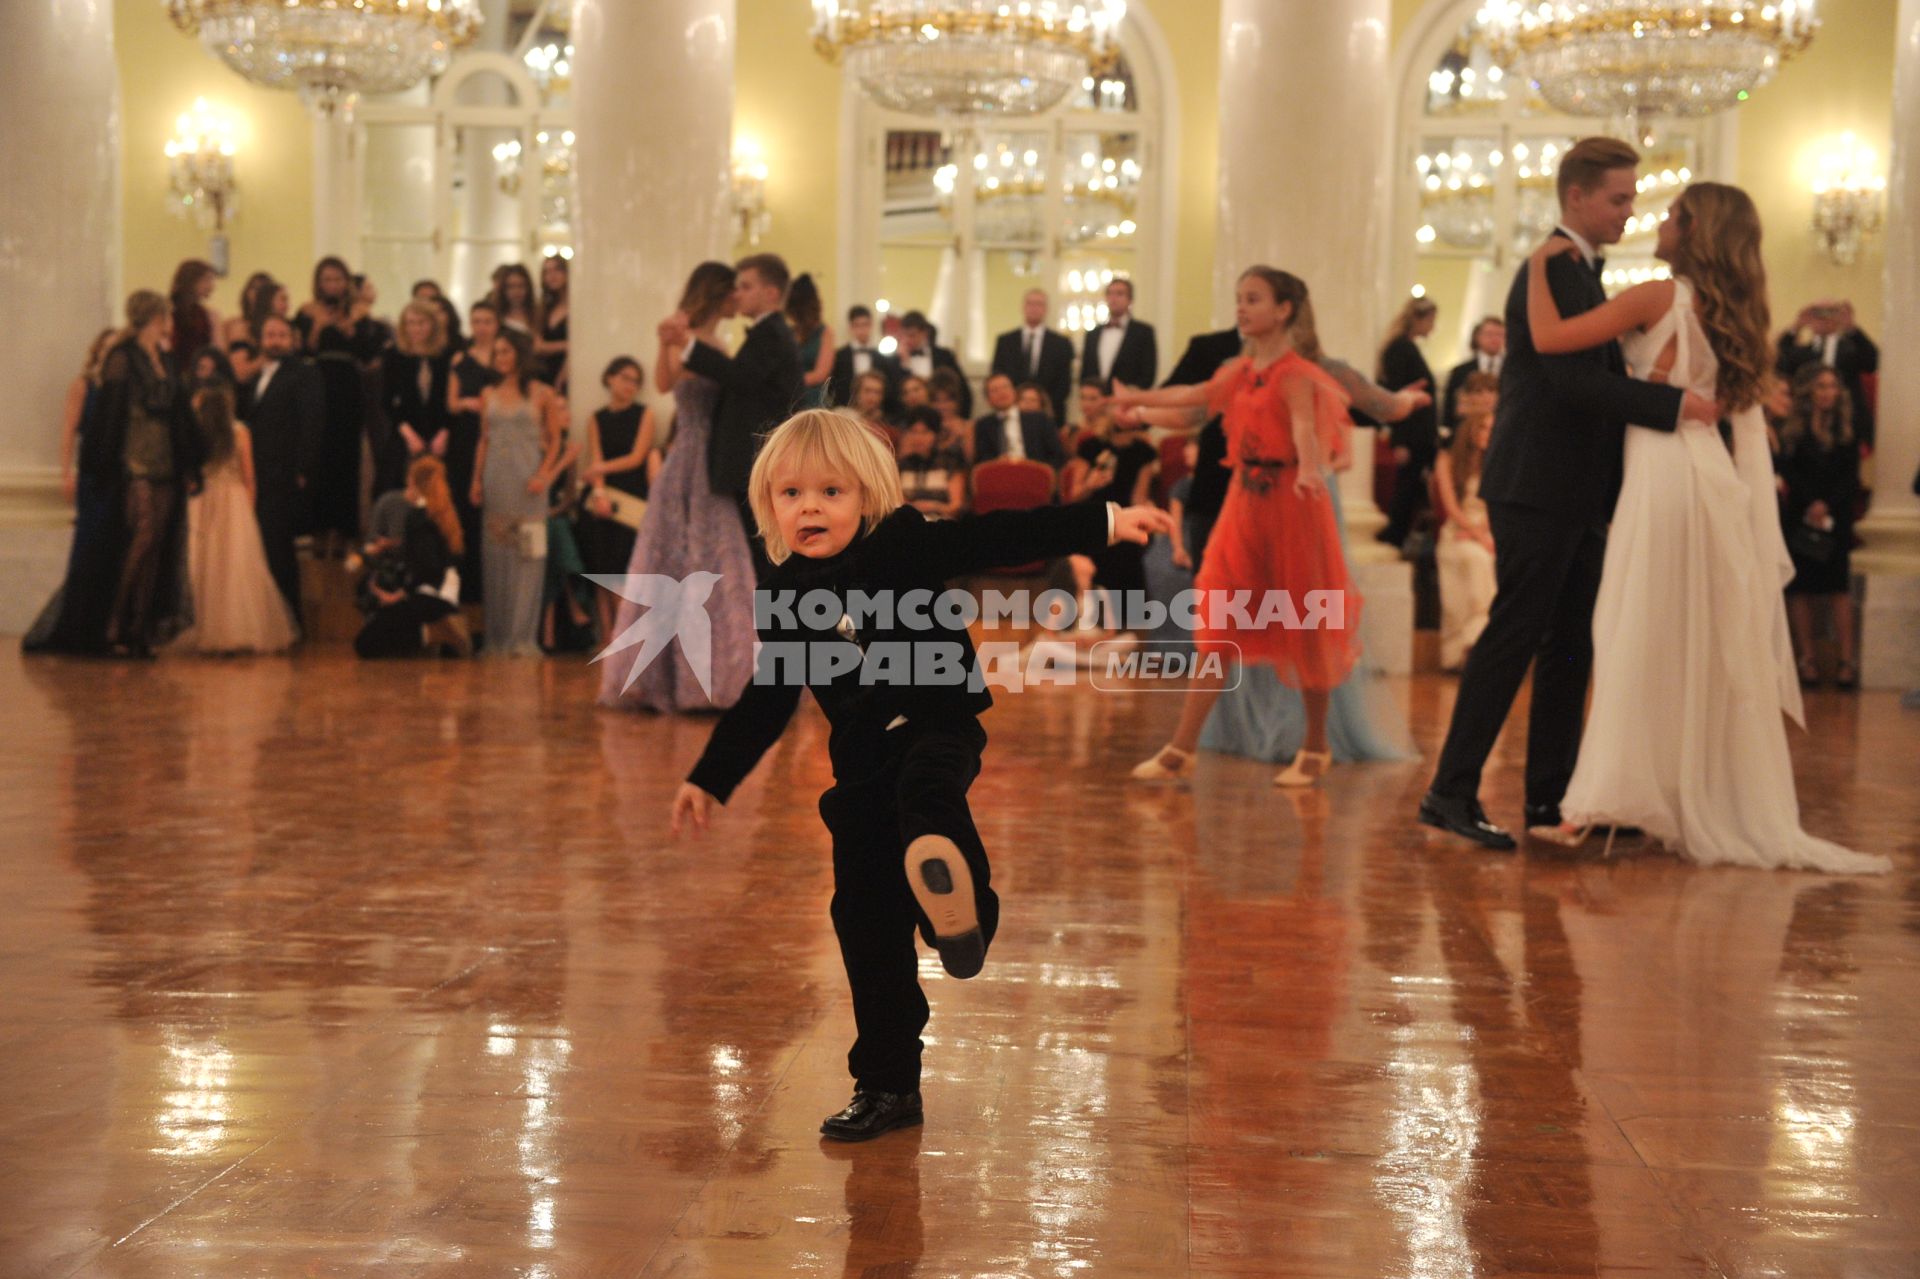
x=1676 y=610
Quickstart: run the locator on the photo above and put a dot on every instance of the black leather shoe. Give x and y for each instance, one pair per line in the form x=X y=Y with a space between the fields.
x=1465 y=818
x=871 y=1113
x=1542 y=815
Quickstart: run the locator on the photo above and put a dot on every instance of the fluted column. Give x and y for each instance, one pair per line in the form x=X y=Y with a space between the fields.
x=653 y=107
x=60 y=221
x=1303 y=144
x=1890 y=656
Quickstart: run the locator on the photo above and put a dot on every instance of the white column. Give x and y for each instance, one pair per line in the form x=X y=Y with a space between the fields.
x=653 y=106
x=1890 y=561
x=1303 y=189
x=60 y=220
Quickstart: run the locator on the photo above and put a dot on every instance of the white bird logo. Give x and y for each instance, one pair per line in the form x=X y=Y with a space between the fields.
x=676 y=608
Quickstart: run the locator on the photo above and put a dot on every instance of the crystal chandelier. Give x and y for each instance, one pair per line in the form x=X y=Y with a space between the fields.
x=551 y=66
x=330 y=51
x=1636 y=59
x=968 y=57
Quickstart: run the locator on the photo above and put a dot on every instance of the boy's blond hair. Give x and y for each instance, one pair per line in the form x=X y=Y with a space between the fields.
x=837 y=443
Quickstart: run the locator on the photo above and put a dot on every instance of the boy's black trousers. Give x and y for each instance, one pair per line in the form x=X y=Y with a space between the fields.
x=890 y=788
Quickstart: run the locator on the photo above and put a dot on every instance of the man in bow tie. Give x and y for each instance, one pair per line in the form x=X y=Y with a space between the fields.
x=1122 y=349
x=860 y=355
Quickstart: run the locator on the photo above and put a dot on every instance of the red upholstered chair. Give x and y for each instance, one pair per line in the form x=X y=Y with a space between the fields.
x=1173 y=467
x=1006 y=484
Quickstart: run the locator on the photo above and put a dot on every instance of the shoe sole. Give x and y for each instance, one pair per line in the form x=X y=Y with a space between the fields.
x=943 y=885
x=868 y=1134
x=1445 y=829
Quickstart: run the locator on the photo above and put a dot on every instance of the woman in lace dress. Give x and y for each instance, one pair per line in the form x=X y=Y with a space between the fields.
x=1692 y=667
x=689 y=528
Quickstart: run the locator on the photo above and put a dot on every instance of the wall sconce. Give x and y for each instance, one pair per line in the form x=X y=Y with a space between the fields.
x=750 y=215
x=200 y=173
x=1847 y=195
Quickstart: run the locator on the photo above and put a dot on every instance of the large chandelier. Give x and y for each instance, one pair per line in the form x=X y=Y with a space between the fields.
x=968 y=57
x=1634 y=59
x=331 y=51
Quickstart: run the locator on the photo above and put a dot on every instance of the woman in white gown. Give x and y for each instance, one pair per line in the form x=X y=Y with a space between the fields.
x=1692 y=665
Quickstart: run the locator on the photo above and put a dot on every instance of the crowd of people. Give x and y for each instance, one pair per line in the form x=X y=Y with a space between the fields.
x=204 y=453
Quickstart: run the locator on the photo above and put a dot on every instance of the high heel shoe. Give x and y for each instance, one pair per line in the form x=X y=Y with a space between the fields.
x=1566 y=834
x=1307 y=769
x=1167 y=764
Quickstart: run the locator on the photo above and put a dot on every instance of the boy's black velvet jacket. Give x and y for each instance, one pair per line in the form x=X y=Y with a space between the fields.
x=904 y=552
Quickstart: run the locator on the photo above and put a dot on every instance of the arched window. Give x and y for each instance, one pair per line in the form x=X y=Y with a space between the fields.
x=1474 y=165
x=959 y=219
x=473 y=170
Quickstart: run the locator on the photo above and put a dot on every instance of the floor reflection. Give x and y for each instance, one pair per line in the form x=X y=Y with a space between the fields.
x=337 y=968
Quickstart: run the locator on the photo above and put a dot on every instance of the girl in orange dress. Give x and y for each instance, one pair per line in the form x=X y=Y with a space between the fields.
x=1277 y=542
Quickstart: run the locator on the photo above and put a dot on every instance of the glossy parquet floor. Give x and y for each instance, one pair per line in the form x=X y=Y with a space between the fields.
x=319 y=968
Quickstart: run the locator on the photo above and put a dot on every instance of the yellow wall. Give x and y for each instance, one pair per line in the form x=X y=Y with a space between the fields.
x=787 y=99
x=1844 y=82
x=161 y=72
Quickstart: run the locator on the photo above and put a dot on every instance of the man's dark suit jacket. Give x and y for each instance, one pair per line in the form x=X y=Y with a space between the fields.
x=1212 y=476
x=1136 y=363
x=840 y=381
x=1456 y=382
x=1037 y=433
x=1560 y=430
x=759 y=387
x=942 y=358
x=286 y=424
x=1056 y=364
x=1853 y=355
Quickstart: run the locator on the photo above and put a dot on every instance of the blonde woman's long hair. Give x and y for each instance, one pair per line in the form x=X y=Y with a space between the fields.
x=436 y=335
x=1415 y=310
x=1827 y=429
x=1719 y=255
x=836 y=442
x=429 y=479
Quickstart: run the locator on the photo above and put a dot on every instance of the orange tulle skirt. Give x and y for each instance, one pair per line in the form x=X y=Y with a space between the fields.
x=1280 y=552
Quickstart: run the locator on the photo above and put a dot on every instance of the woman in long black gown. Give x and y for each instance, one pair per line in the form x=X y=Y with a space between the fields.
x=329 y=331
x=471 y=372
x=413 y=384
x=140 y=454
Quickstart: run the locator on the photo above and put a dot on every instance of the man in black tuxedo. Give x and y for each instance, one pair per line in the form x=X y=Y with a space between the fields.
x=282 y=405
x=920 y=356
x=1122 y=349
x=1488 y=355
x=1825 y=333
x=1551 y=476
x=1006 y=432
x=1035 y=353
x=759 y=384
x=859 y=356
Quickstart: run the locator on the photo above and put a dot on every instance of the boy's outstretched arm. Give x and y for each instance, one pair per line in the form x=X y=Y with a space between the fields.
x=951 y=548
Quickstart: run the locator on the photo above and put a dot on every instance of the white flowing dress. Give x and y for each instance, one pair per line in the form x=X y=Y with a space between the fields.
x=1693 y=669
